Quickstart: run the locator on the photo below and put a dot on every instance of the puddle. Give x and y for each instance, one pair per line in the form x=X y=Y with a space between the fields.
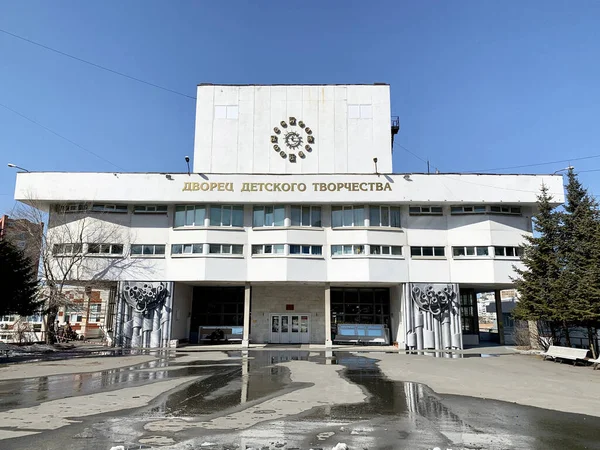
x=395 y=414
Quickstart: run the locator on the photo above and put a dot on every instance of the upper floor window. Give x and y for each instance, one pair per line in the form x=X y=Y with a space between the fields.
x=148 y=249
x=268 y=249
x=468 y=209
x=482 y=209
x=190 y=215
x=226 y=249
x=384 y=216
x=72 y=208
x=187 y=249
x=423 y=210
x=355 y=249
x=470 y=251
x=306 y=249
x=268 y=216
x=226 y=216
x=109 y=208
x=67 y=249
x=360 y=111
x=428 y=251
x=347 y=216
x=217 y=216
x=395 y=250
x=501 y=209
x=105 y=249
x=150 y=209
x=513 y=252
x=226 y=111
x=305 y=216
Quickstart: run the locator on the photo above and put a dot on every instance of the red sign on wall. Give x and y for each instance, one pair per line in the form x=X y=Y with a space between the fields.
x=289 y=307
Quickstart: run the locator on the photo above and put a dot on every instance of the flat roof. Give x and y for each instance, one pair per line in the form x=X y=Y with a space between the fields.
x=293 y=84
x=307 y=174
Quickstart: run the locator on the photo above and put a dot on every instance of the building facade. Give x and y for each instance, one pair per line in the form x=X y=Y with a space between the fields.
x=293 y=228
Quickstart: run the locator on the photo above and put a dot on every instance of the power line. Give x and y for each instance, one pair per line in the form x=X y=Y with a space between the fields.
x=61 y=136
x=536 y=164
x=98 y=66
x=414 y=154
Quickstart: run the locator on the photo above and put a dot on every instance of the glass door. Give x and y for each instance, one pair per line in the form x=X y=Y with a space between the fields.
x=290 y=329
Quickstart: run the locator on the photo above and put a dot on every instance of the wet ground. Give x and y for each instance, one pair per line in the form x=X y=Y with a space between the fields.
x=236 y=401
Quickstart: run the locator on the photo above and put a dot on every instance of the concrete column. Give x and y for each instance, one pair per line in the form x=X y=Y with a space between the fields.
x=499 y=321
x=246 y=336
x=328 y=342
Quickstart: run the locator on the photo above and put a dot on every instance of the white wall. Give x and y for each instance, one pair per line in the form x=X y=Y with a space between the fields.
x=446 y=231
x=267 y=299
x=241 y=143
x=446 y=189
x=182 y=308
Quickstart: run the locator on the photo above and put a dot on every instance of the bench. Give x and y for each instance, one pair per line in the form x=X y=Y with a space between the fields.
x=560 y=353
x=595 y=362
x=230 y=334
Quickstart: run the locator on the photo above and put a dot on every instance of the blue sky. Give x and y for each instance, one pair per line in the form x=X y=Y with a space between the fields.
x=477 y=84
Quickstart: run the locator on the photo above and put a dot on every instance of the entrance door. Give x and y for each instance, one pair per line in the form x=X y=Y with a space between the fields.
x=290 y=328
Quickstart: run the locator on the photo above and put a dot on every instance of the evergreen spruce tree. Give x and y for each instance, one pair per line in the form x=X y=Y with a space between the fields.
x=20 y=285
x=579 y=254
x=537 y=283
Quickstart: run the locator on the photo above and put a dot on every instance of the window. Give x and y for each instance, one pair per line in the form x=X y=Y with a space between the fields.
x=226 y=249
x=73 y=208
x=512 y=252
x=360 y=306
x=187 y=249
x=384 y=216
x=150 y=209
x=505 y=209
x=226 y=111
x=305 y=216
x=268 y=216
x=306 y=250
x=360 y=111
x=468 y=209
x=482 y=209
x=268 y=249
x=147 y=249
x=105 y=249
x=66 y=249
x=347 y=249
x=422 y=210
x=428 y=251
x=109 y=208
x=226 y=216
x=95 y=312
x=347 y=216
x=458 y=252
x=190 y=215
x=8 y=318
x=75 y=317
x=468 y=312
x=394 y=250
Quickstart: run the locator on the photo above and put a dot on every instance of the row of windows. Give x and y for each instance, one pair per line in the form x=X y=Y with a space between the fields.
x=274 y=215
x=279 y=249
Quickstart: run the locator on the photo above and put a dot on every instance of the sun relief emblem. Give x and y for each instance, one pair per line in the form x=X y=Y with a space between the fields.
x=292 y=139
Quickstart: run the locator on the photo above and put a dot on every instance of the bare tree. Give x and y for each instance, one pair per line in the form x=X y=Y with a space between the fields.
x=82 y=246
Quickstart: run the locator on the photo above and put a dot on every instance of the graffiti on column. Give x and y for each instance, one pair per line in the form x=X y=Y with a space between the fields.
x=432 y=317
x=145 y=314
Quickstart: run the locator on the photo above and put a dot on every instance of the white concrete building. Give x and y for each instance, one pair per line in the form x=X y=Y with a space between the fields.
x=293 y=228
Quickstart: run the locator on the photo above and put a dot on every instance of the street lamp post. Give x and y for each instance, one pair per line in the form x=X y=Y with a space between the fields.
x=14 y=166
x=562 y=170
